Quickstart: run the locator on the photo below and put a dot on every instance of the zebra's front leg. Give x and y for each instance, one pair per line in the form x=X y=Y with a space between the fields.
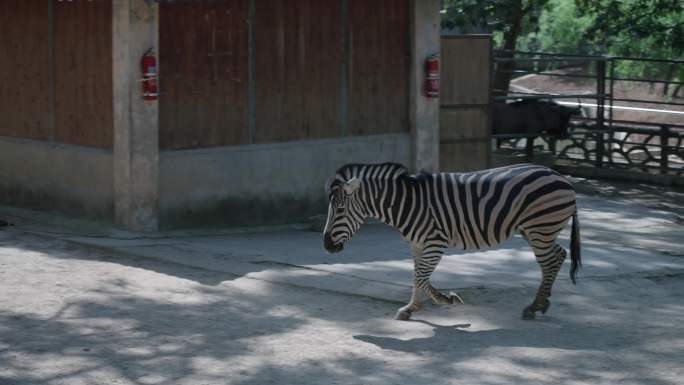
x=405 y=312
x=423 y=268
x=437 y=296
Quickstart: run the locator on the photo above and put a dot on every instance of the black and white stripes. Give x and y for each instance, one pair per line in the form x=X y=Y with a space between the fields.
x=464 y=210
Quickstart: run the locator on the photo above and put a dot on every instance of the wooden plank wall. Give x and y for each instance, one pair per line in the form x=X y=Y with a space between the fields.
x=83 y=68
x=297 y=69
x=465 y=69
x=299 y=50
x=78 y=76
x=203 y=74
x=465 y=132
x=24 y=69
x=379 y=65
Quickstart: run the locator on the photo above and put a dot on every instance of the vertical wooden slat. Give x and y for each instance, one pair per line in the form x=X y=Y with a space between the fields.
x=203 y=74
x=465 y=70
x=297 y=65
x=379 y=66
x=251 y=78
x=465 y=103
x=344 y=68
x=24 y=69
x=82 y=70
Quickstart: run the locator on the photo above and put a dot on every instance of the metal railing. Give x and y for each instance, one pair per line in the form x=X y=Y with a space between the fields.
x=602 y=140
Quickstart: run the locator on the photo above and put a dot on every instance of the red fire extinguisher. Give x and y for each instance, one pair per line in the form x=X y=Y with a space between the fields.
x=432 y=76
x=149 y=81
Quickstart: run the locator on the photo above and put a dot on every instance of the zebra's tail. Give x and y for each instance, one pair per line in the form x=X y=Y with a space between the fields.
x=575 y=256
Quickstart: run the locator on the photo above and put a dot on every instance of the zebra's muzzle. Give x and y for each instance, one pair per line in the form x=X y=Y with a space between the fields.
x=329 y=245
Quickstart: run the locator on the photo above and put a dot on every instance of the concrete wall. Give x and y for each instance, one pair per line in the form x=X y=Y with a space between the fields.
x=262 y=183
x=136 y=127
x=423 y=111
x=139 y=188
x=73 y=179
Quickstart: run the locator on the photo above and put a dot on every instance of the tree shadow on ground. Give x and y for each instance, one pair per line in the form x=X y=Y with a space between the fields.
x=378 y=253
x=237 y=335
x=194 y=334
x=62 y=250
x=119 y=334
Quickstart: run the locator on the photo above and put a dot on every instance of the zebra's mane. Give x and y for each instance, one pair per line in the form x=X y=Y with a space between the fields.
x=364 y=171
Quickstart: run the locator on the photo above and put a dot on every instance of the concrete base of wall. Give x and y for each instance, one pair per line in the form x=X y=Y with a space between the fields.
x=73 y=179
x=262 y=184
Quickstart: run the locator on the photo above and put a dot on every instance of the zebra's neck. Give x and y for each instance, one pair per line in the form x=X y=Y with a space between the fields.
x=386 y=187
x=383 y=199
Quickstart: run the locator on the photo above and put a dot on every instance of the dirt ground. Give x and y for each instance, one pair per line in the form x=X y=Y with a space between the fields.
x=622 y=90
x=84 y=315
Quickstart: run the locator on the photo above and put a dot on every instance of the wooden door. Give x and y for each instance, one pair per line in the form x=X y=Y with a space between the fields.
x=465 y=131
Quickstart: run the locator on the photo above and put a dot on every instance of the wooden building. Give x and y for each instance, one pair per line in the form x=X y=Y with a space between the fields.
x=260 y=101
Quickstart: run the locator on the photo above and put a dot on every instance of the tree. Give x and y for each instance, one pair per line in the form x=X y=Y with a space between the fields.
x=619 y=25
x=561 y=28
x=638 y=28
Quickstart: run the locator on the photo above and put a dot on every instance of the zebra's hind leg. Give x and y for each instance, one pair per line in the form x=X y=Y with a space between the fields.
x=550 y=260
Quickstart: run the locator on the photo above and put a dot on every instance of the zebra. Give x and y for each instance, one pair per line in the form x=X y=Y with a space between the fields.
x=470 y=211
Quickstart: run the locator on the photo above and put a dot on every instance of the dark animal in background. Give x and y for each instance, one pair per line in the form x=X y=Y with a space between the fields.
x=532 y=116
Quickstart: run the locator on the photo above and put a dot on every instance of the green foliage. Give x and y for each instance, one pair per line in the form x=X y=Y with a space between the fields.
x=615 y=27
x=492 y=16
x=561 y=29
x=639 y=28
x=636 y=27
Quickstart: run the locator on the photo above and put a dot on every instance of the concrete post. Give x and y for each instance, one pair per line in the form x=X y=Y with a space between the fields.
x=135 y=26
x=423 y=111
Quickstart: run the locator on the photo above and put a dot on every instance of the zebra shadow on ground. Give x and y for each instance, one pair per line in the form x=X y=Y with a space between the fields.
x=561 y=335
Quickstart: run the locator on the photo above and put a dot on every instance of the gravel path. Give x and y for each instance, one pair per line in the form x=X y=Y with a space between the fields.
x=70 y=315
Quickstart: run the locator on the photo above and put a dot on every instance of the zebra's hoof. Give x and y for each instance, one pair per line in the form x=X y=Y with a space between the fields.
x=528 y=313
x=545 y=306
x=403 y=315
x=455 y=299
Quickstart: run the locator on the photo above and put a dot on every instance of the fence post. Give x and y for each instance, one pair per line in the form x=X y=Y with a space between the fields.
x=600 y=104
x=612 y=91
x=529 y=147
x=664 y=144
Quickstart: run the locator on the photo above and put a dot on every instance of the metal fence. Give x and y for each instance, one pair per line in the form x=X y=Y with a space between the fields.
x=647 y=138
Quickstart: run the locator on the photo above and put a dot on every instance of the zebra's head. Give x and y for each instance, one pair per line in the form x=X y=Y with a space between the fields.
x=345 y=214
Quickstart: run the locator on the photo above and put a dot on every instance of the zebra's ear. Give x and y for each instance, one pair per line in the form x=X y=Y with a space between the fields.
x=328 y=186
x=351 y=185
